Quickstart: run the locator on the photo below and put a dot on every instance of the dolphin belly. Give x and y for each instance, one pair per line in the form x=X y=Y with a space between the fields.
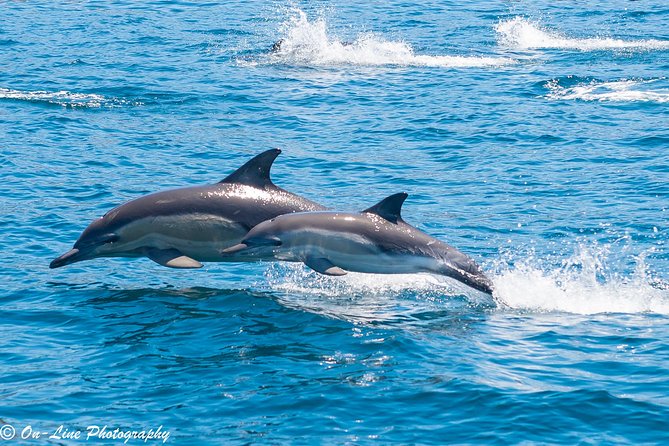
x=199 y=236
x=382 y=263
x=357 y=254
x=407 y=264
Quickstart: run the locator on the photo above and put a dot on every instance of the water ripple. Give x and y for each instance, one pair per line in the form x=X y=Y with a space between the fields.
x=66 y=98
x=626 y=90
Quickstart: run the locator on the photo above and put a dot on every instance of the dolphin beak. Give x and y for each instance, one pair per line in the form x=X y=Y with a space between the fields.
x=71 y=256
x=235 y=249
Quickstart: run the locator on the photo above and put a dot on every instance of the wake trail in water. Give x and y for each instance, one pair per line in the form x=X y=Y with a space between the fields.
x=626 y=90
x=308 y=43
x=521 y=33
x=583 y=284
x=364 y=298
x=65 y=98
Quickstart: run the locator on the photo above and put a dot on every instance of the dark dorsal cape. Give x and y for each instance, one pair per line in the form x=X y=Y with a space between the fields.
x=389 y=208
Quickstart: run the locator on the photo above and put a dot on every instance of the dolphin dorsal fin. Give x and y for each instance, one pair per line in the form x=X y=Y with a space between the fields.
x=390 y=207
x=255 y=172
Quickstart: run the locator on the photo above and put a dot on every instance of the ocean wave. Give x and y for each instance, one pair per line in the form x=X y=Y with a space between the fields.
x=626 y=90
x=583 y=284
x=65 y=98
x=519 y=32
x=308 y=43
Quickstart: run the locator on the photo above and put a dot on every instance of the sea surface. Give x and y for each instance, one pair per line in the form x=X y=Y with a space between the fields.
x=531 y=135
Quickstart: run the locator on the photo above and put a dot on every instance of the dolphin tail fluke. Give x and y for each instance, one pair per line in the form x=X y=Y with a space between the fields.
x=483 y=284
x=476 y=280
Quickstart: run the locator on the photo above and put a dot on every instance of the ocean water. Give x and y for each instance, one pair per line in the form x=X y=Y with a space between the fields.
x=533 y=136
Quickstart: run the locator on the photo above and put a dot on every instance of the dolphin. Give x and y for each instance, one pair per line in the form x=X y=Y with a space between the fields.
x=181 y=228
x=280 y=44
x=276 y=46
x=376 y=240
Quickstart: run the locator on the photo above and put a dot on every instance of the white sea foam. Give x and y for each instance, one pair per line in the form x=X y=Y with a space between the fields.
x=584 y=284
x=294 y=277
x=65 y=98
x=626 y=90
x=308 y=43
x=361 y=297
x=519 y=32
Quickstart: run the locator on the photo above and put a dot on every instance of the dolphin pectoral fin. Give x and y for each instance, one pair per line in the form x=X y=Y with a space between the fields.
x=324 y=266
x=172 y=258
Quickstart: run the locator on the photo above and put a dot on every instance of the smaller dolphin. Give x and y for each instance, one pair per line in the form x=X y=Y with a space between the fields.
x=280 y=45
x=276 y=46
x=180 y=228
x=375 y=240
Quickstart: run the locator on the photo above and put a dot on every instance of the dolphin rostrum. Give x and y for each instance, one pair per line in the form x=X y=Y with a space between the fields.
x=375 y=240
x=180 y=228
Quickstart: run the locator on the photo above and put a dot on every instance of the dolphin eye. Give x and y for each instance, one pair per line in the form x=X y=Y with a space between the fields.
x=110 y=238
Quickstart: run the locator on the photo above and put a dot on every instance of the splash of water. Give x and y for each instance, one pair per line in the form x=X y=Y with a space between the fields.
x=296 y=278
x=308 y=43
x=363 y=298
x=626 y=90
x=519 y=32
x=584 y=284
x=65 y=98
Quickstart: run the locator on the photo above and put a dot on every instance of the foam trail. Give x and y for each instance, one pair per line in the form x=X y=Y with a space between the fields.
x=294 y=277
x=308 y=43
x=519 y=32
x=364 y=298
x=64 y=98
x=583 y=285
x=626 y=90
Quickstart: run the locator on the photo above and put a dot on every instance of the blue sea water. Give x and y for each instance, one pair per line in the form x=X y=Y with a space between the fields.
x=533 y=136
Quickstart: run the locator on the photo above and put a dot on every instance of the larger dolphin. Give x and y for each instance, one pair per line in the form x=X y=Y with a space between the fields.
x=182 y=227
x=375 y=240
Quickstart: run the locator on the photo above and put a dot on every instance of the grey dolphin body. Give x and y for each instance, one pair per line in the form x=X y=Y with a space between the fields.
x=280 y=45
x=182 y=227
x=376 y=240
